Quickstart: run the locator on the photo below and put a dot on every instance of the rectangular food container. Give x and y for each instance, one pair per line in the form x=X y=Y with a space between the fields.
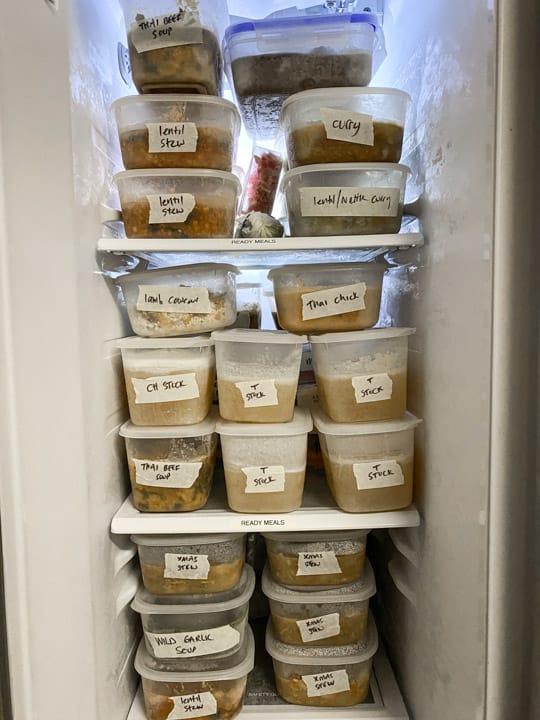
x=335 y=616
x=193 y=626
x=177 y=131
x=190 y=564
x=199 y=687
x=257 y=374
x=316 y=559
x=362 y=376
x=344 y=124
x=328 y=297
x=180 y=300
x=332 y=676
x=265 y=464
x=345 y=198
x=268 y=60
x=168 y=381
x=183 y=203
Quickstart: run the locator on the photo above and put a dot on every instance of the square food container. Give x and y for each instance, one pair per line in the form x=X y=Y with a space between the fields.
x=369 y=466
x=168 y=381
x=178 y=203
x=265 y=464
x=344 y=124
x=177 y=131
x=328 y=297
x=268 y=60
x=193 y=626
x=332 y=676
x=307 y=560
x=190 y=564
x=335 y=616
x=172 y=468
x=257 y=374
x=362 y=376
x=345 y=198
x=207 y=687
x=181 y=300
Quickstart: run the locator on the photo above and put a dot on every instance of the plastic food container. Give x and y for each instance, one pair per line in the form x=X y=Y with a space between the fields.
x=332 y=676
x=195 y=687
x=369 y=466
x=168 y=381
x=257 y=374
x=193 y=626
x=190 y=564
x=265 y=465
x=177 y=131
x=178 y=203
x=345 y=198
x=335 y=616
x=181 y=300
x=329 y=297
x=308 y=559
x=337 y=125
x=268 y=60
x=171 y=469
x=362 y=376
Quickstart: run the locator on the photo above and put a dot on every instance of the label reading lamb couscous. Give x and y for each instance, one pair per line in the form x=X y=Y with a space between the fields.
x=189 y=567
x=166 y=474
x=324 y=562
x=172 y=298
x=166 y=388
x=193 y=706
x=327 y=683
x=318 y=628
x=172 y=137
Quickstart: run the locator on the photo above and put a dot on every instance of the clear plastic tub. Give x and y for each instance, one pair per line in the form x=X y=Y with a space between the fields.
x=265 y=465
x=316 y=559
x=345 y=198
x=369 y=466
x=328 y=297
x=190 y=564
x=193 y=626
x=338 y=125
x=178 y=203
x=168 y=381
x=362 y=376
x=335 y=616
x=200 y=687
x=257 y=374
x=171 y=469
x=181 y=300
x=177 y=131
x=332 y=676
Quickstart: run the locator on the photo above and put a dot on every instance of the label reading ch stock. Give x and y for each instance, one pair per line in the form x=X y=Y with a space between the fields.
x=327 y=683
x=188 y=567
x=348 y=126
x=167 y=474
x=335 y=301
x=258 y=394
x=318 y=563
x=172 y=137
x=193 y=644
x=318 y=628
x=265 y=479
x=193 y=706
x=163 y=31
x=170 y=207
x=172 y=298
x=372 y=388
x=349 y=201
x=165 y=388
x=378 y=474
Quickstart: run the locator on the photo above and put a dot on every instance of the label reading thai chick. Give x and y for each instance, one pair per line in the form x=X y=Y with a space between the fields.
x=327 y=683
x=258 y=394
x=335 y=301
x=378 y=474
x=193 y=644
x=193 y=706
x=348 y=126
x=347 y=201
x=318 y=563
x=166 y=474
x=171 y=298
x=172 y=137
x=318 y=628
x=265 y=479
x=170 y=207
x=163 y=31
x=372 y=388
x=165 y=388
x=188 y=567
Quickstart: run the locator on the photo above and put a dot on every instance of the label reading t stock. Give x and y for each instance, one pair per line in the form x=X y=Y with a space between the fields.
x=193 y=644
x=327 y=683
x=318 y=563
x=265 y=479
x=258 y=393
x=193 y=706
x=187 y=567
x=172 y=137
x=348 y=126
x=170 y=207
x=372 y=388
x=318 y=628
x=165 y=388
x=163 y=31
x=347 y=201
x=167 y=474
x=335 y=301
x=172 y=298
x=378 y=474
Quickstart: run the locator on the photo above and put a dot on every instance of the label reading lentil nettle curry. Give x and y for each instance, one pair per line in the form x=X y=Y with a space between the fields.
x=348 y=126
x=170 y=207
x=347 y=201
x=172 y=137
x=171 y=298
x=165 y=388
x=193 y=706
x=334 y=301
x=164 y=473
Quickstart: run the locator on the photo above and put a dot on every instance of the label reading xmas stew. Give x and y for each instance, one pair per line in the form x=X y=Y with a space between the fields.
x=318 y=563
x=327 y=683
x=188 y=567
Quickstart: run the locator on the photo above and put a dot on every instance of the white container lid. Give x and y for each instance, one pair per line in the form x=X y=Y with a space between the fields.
x=139 y=343
x=143 y=432
x=269 y=337
x=187 y=173
x=178 y=98
x=300 y=424
x=340 y=167
x=326 y=426
x=299 y=270
x=183 y=540
x=360 y=335
x=149 y=275
x=316 y=536
x=327 y=94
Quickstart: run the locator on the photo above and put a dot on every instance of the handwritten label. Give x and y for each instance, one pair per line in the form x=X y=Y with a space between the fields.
x=335 y=301
x=265 y=479
x=378 y=474
x=165 y=388
x=348 y=126
x=172 y=137
x=318 y=628
x=193 y=706
x=318 y=563
x=372 y=388
x=188 y=567
x=170 y=207
x=327 y=683
x=163 y=473
x=193 y=644
x=163 y=31
x=167 y=298
x=347 y=201
x=258 y=394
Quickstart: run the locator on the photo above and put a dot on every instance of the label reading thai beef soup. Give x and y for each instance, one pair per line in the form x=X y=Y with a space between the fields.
x=161 y=31
x=349 y=201
x=348 y=126
x=172 y=137
x=171 y=298
x=195 y=705
x=187 y=567
x=165 y=388
x=324 y=562
x=335 y=301
x=166 y=474
x=327 y=683
x=319 y=628
x=372 y=388
x=170 y=207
